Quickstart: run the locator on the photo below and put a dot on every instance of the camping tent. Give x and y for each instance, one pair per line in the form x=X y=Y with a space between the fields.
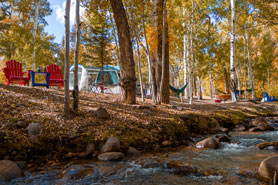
x=89 y=78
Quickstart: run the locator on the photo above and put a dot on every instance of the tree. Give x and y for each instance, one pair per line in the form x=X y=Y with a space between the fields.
x=67 y=61
x=76 y=58
x=232 y=54
x=128 y=80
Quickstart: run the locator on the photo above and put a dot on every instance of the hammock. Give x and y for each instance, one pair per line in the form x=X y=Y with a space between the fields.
x=178 y=91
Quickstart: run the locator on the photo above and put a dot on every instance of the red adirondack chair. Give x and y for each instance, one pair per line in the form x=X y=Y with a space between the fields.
x=56 y=77
x=14 y=75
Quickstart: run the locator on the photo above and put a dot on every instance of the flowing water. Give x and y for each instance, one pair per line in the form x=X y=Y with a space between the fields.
x=226 y=162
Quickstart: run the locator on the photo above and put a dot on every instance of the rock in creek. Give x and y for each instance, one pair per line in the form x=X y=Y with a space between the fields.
x=268 y=169
x=265 y=127
x=224 y=139
x=267 y=144
x=110 y=156
x=210 y=142
x=181 y=169
x=255 y=122
x=76 y=172
x=111 y=145
x=9 y=170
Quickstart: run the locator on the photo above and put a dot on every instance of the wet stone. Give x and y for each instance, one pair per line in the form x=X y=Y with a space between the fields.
x=76 y=172
x=255 y=129
x=110 y=156
x=268 y=168
x=9 y=170
x=180 y=169
x=210 y=142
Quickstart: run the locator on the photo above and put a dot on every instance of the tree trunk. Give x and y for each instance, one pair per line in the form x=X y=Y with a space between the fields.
x=164 y=87
x=232 y=55
x=185 y=56
x=67 y=61
x=250 y=74
x=210 y=85
x=75 y=92
x=116 y=42
x=148 y=56
x=128 y=79
x=238 y=80
x=102 y=58
x=34 y=34
x=268 y=80
x=138 y=55
x=159 y=54
x=192 y=58
x=245 y=85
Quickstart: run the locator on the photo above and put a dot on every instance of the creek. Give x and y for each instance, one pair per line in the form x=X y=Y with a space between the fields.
x=224 y=164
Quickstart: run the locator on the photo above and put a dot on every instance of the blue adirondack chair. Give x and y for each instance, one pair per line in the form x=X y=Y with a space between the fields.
x=268 y=98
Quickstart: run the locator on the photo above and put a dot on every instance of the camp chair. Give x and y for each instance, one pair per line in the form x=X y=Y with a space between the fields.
x=268 y=98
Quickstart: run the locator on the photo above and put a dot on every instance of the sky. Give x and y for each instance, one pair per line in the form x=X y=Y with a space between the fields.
x=56 y=22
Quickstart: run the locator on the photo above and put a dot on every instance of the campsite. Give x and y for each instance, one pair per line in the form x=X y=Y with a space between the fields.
x=138 y=92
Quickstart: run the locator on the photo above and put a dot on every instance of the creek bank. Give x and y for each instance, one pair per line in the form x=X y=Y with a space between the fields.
x=33 y=129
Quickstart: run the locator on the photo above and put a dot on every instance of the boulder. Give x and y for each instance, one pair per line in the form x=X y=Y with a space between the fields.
x=34 y=131
x=210 y=142
x=224 y=139
x=90 y=149
x=180 y=169
x=265 y=127
x=101 y=113
x=255 y=122
x=240 y=128
x=76 y=172
x=111 y=145
x=246 y=173
x=268 y=169
x=110 y=156
x=9 y=170
x=133 y=151
x=255 y=129
x=267 y=144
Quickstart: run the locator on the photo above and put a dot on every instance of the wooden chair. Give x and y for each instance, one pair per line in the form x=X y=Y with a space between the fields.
x=14 y=74
x=56 y=76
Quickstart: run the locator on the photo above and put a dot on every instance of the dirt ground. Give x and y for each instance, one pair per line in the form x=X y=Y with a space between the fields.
x=144 y=125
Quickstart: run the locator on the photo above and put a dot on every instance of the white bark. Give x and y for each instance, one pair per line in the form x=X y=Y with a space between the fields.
x=185 y=55
x=138 y=55
x=67 y=60
x=34 y=34
x=192 y=58
x=148 y=55
x=232 y=55
x=210 y=85
x=245 y=85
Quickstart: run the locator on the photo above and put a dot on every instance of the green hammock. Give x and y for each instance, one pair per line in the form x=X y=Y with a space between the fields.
x=178 y=91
